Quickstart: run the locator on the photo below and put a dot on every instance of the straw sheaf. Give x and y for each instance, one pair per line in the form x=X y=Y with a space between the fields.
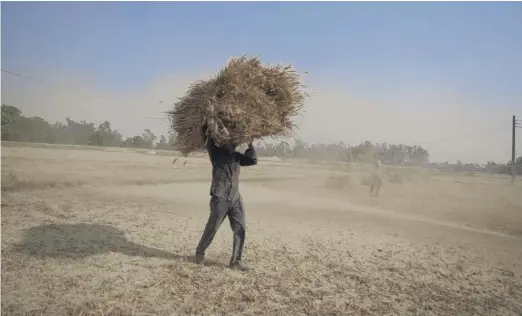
x=244 y=101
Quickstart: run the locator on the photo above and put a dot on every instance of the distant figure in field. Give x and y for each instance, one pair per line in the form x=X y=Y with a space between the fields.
x=225 y=198
x=376 y=179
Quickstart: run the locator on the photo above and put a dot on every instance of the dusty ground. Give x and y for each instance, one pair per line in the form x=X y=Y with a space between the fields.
x=88 y=232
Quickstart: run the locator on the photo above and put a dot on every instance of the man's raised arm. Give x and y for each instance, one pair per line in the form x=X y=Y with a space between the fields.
x=249 y=158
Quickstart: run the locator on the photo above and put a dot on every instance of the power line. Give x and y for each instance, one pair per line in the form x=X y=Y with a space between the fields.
x=50 y=83
x=164 y=119
x=63 y=86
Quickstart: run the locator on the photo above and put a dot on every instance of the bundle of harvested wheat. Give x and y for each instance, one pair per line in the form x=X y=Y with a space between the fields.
x=244 y=101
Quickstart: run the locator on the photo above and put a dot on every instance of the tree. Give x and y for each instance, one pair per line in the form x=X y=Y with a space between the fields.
x=420 y=156
x=127 y=142
x=299 y=148
x=105 y=136
x=60 y=134
x=138 y=142
x=96 y=139
x=10 y=116
x=81 y=132
x=162 y=144
x=35 y=129
x=17 y=127
x=148 y=139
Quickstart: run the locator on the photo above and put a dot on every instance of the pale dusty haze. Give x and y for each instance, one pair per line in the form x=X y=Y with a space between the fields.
x=451 y=128
x=90 y=230
x=451 y=88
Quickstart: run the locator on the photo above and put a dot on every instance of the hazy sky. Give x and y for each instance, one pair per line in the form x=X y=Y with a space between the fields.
x=448 y=74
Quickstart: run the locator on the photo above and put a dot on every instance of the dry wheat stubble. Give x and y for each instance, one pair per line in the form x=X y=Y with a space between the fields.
x=117 y=248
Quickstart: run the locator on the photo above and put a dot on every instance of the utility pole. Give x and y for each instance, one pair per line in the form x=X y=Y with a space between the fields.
x=513 y=166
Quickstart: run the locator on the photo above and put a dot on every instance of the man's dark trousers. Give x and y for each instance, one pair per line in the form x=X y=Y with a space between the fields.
x=219 y=209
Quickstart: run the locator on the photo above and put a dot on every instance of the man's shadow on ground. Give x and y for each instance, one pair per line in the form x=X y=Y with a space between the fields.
x=83 y=240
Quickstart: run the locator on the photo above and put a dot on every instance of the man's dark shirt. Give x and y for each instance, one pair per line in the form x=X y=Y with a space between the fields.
x=225 y=169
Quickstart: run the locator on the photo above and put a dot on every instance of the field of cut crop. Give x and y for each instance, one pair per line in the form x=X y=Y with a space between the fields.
x=112 y=232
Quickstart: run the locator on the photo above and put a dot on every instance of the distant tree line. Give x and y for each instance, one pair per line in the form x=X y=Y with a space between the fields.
x=365 y=152
x=493 y=167
x=17 y=127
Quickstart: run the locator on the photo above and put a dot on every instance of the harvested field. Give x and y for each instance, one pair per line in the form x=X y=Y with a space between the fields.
x=93 y=232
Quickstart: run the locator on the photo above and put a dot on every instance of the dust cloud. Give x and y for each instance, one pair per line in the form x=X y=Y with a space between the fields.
x=451 y=126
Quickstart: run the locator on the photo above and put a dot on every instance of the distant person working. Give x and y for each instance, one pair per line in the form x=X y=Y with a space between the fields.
x=376 y=179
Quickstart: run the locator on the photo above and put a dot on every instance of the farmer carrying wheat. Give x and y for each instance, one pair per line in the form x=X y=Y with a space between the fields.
x=225 y=198
x=244 y=101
